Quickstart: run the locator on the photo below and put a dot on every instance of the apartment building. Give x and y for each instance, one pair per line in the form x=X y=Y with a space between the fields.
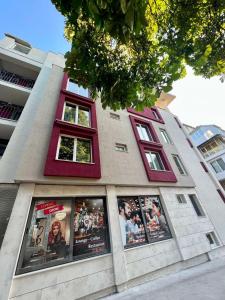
x=210 y=141
x=94 y=201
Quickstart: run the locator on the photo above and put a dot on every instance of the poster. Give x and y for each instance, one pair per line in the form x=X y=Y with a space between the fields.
x=90 y=232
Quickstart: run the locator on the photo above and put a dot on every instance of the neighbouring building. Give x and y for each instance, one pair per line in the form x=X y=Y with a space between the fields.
x=210 y=141
x=94 y=201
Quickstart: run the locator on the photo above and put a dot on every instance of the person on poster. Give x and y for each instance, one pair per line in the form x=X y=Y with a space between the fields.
x=124 y=215
x=156 y=211
x=56 y=241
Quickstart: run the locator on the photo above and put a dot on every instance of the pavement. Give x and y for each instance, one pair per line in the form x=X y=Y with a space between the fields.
x=202 y=282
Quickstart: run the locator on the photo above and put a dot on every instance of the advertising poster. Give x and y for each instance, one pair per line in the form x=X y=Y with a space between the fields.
x=90 y=232
x=156 y=223
x=131 y=222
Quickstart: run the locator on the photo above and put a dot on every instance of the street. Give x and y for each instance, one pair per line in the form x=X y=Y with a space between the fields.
x=206 y=281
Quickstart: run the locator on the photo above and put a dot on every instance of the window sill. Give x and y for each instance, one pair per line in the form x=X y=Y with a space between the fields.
x=74 y=126
x=77 y=162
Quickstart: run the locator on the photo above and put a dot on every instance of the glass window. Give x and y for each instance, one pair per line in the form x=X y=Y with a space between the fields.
x=218 y=165
x=181 y=198
x=142 y=220
x=64 y=230
x=155 y=161
x=165 y=136
x=155 y=114
x=196 y=205
x=179 y=164
x=75 y=88
x=212 y=239
x=90 y=227
x=76 y=114
x=74 y=149
x=48 y=236
x=144 y=133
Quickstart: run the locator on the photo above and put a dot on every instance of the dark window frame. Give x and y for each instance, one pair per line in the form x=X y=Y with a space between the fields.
x=71 y=258
x=196 y=205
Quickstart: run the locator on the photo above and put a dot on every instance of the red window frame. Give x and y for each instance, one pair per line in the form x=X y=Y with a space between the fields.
x=55 y=167
x=148 y=113
x=166 y=175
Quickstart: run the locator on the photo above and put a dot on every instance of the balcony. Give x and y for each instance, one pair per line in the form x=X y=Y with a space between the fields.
x=16 y=79
x=10 y=111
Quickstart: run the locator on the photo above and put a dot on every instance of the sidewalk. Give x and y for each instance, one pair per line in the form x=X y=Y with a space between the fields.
x=203 y=282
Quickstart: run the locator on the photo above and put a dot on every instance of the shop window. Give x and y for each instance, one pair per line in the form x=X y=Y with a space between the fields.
x=61 y=231
x=74 y=149
x=165 y=136
x=212 y=239
x=155 y=161
x=144 y=133
x=142 y=220
x=77 y=89
x=179 y=164
x=76 y=114
x=181 y=198
x=196 y=205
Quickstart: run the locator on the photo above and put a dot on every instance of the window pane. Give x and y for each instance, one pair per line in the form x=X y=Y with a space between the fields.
x=156 y=223
x=83 y=116
x=179 y=164
x=221 y=164
x=156 y=160
x=144 y=133
x=66 y=148
x=90 y=231
x=216 y=167
x=74 y=88
x=149 y=158
x=196 y=205
x=70 y=113
x=83 y=151
x=131 y=222
x=49 y=233
x=165 y=136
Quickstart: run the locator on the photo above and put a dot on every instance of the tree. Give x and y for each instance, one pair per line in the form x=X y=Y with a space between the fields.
x=129 y=51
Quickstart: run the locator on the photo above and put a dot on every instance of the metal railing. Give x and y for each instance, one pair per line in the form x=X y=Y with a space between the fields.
x=16 y=79
x=10 y=111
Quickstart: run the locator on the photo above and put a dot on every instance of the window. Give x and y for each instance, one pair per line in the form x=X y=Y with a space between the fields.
x=3 y=145
x=155 y=161
x=21 y=48
x=63 y=230
x=74 y=149
x=196 y=205
x=121 y=147
x=212 y=239
x=144 y=133
x=76 y=114
x=179 y=164
x=75 y=88
x=181 y=198
x=165 y=136
x=114 y=116
x=142 y=220
x=218 y=165
x=155 y=114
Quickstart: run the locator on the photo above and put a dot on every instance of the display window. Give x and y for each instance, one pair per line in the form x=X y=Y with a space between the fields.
x=63 y=230
x=142 y=220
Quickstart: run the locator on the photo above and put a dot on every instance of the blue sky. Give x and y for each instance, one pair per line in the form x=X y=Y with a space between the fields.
x=35 y=21
x=198 y=100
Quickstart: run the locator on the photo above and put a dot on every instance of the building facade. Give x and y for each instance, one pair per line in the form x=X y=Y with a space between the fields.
x=94 y=201
x=210 y=141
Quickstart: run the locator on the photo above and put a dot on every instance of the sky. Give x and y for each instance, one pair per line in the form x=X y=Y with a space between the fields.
x=198 y=101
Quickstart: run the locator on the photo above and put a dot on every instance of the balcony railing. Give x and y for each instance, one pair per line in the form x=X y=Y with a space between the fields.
x=16 y=79
x=10 y=111
x=213 y=151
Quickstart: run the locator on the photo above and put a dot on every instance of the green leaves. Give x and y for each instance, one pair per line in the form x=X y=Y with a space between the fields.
x=128 y=51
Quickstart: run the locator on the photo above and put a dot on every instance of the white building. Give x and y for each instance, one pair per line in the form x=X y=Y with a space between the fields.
x=94 y=201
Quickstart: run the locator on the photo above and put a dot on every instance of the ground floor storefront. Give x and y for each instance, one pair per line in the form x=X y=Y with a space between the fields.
x=84 y=242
